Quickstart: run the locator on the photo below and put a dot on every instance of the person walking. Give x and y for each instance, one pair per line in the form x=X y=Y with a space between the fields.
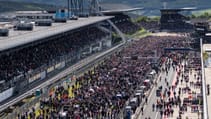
x=153 y=107
x=146 y=100
x=142 y=110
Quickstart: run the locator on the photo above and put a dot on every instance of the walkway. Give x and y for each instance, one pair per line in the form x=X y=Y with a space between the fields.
x=148 y=112
x=208 y=82
x=193 y=110
x=207 y=49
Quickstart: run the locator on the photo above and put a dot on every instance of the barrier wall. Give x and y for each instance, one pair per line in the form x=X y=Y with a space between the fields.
x=34 y=78
x=6 y=94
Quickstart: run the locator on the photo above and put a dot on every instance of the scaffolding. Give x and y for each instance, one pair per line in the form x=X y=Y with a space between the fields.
x=94 y=7
x=75 y=7
x=80 y=7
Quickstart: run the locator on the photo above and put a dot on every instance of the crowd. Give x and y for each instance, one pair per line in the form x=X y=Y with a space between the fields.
x=174 y=22
x=149 y=25
x=20 y=62
x=102 y=92
x=127 y=27
x=184 y=64
x=124 y=23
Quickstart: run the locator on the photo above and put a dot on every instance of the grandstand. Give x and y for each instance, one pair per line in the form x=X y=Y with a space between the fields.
x=108 y=86
x=34 y=15
x=207 y=38
x=17 y=38
x=30 y=56
x=201 y=27
x=172 y=19
x=35 y=57
x=122 y=20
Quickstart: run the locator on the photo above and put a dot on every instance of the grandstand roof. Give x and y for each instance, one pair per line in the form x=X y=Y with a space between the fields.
x=179 y=9
x=113 y=6
x=35 y=14
x=121 y=10
x=18 y=38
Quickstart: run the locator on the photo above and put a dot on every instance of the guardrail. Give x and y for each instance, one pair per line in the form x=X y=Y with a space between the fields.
x=205 y=108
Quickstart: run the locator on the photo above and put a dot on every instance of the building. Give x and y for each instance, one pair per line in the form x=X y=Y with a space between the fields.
x=20 y=40
x=33 y=15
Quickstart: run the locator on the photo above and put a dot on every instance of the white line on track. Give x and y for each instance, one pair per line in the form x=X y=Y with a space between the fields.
x=156 y=116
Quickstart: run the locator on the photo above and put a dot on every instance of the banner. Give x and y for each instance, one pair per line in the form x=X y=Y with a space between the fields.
x=35 y=77
x=60 y=65
x=50 y=69
x=57 y=66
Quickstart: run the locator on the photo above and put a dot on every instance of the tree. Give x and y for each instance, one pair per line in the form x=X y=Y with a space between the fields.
x=193 y=16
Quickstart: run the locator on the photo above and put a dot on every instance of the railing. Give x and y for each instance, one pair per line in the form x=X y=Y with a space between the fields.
x=205 y=107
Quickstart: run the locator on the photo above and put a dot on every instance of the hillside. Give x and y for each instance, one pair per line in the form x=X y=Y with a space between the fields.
x=50 y=2
x=152 y=4
x=157 y=4
x=151 y=7
x=7 y=6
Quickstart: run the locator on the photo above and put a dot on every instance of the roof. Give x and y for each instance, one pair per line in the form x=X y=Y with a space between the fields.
x=35 y=14
x=121 y=10
x=30 y=12
x=117 y=8
x=18 y=38
x=179 y=9
x=113 y=6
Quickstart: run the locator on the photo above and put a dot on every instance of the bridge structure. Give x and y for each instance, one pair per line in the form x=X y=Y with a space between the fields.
x=80 y=7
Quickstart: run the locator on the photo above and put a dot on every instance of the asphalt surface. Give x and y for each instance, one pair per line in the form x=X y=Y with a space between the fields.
x=152 y=98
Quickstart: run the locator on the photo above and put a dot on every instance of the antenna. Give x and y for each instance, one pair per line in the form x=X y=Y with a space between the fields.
x=77 y=6
x=94 y=7
x=164 y=5
x=68 y=8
